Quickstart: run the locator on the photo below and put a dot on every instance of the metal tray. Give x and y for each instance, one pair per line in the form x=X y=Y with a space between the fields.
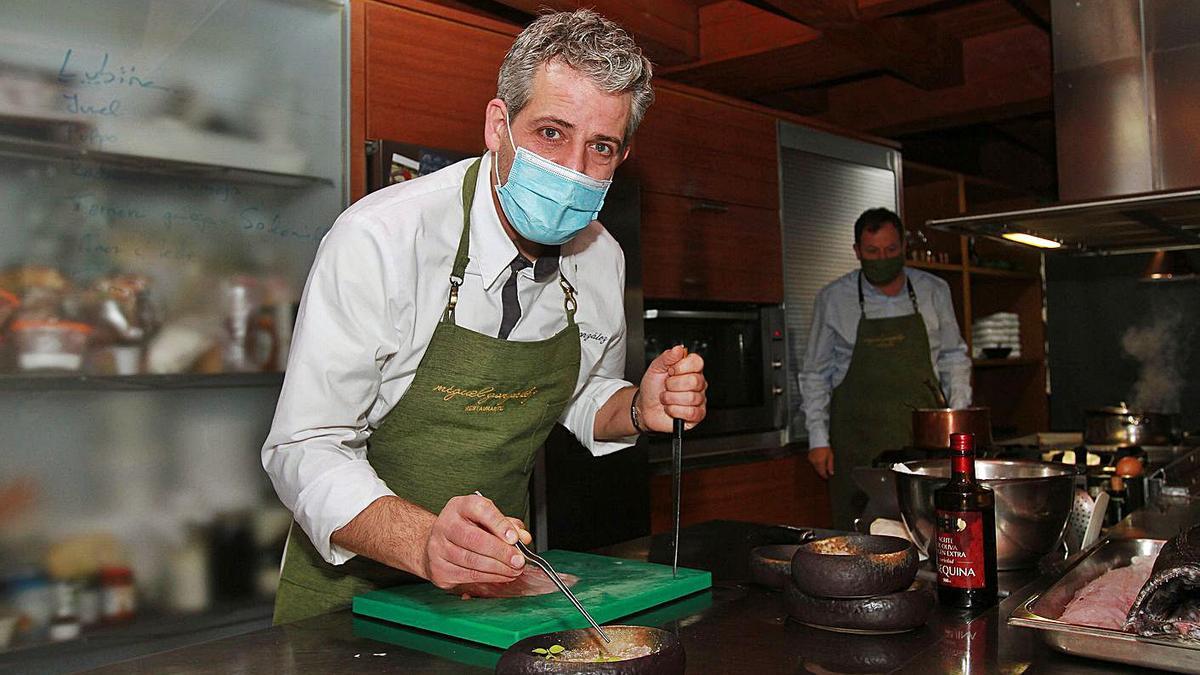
x=1041 y=610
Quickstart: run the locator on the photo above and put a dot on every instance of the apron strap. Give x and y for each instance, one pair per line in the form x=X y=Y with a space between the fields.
x=569 y=302
x=462 y=256
x=912 y=297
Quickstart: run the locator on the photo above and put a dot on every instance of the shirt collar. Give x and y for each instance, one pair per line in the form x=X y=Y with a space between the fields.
x=491 y=249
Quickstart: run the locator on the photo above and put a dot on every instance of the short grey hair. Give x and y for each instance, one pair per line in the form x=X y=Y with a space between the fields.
x=589 y=43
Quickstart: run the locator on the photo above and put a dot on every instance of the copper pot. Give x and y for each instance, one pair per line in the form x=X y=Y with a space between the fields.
x=1120 y=426
x=932 y=426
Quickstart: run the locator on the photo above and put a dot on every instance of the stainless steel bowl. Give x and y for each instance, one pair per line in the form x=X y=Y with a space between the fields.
x=1033 y=503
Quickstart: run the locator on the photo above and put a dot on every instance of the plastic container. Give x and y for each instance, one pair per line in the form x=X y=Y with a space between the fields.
x=9 y=304
x=49 y=344
x=118 y=596
x=30 y=595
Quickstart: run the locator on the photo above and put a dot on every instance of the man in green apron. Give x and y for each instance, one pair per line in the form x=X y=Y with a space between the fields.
x=881 y=338
x=450 y=321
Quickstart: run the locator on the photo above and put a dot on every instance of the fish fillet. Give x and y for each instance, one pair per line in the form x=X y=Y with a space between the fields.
x=532 y=581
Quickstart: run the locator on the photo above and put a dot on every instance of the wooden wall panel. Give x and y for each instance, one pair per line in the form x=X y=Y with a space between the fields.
x=429 y=78
x=358 y=99
x=782 y=491
x=693 y=249
x=705 y=149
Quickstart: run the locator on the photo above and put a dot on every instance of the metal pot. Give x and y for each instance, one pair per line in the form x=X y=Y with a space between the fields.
x=1118 y=425
x=932 y=426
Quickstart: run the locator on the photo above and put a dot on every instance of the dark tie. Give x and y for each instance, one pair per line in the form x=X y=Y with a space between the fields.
x=512 y=306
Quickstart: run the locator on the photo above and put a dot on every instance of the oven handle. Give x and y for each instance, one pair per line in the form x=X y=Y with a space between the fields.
x=697 y=314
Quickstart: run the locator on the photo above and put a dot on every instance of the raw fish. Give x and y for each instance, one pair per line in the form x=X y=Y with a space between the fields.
x=532 y=581
x=1105 y=601
x=1169 y=602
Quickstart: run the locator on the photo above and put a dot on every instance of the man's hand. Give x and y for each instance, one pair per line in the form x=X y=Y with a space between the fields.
x=673 y=388
x=822 y=460
x=473 y=542
x=469 y=541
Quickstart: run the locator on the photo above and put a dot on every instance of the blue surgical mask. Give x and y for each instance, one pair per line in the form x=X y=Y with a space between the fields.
x=547 y=202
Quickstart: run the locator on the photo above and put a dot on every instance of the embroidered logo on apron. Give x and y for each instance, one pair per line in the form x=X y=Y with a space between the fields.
x=885 y=341
x=485 y=400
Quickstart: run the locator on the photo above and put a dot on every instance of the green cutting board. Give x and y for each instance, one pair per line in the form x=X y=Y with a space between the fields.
x=609 y=588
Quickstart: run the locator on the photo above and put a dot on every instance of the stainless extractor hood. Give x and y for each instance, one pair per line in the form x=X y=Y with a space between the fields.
x=1125 y=102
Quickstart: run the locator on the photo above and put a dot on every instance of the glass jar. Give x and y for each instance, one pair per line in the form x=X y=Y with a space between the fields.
x=48 y=344
x=118 y=597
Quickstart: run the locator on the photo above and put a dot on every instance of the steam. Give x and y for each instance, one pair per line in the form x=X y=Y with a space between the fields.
x=1160 y=349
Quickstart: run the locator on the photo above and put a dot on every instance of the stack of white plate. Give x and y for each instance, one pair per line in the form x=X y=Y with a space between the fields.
x=1002 y=329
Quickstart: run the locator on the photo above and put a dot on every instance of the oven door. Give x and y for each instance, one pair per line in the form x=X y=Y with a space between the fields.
x=743 y=351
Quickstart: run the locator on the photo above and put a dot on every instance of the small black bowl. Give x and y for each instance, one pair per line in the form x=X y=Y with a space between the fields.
x=854 y=566
x=661 y=653
x=771 y=566
x=890 y=613
x=997 y=352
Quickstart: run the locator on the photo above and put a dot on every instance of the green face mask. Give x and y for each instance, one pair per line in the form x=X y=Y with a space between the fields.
x=882 y=271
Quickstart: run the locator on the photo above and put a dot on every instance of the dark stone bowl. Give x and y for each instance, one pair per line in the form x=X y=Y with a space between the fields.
x=665 y=655
x=771 y=566
x=891 y=613
x=854 y=566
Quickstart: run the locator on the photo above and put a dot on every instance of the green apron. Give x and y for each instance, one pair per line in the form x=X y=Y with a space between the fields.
x=871 y=410
x=472 y=419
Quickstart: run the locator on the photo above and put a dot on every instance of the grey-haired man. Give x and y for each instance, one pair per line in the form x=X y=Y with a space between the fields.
x=438 y=338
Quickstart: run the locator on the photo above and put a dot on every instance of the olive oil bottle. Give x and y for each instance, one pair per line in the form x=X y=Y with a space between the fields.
x=965 y=543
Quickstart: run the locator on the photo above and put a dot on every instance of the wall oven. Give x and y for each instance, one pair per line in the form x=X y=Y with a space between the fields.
x=745 y=361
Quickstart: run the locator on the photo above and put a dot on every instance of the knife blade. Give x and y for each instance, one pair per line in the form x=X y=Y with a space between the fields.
x=676 y=484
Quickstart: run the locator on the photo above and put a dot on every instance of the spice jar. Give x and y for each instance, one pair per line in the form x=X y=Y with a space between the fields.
x=118 y=597
x=66 y=624
x=50 y=344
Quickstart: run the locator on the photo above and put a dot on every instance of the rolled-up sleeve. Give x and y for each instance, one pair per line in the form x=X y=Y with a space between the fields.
x=316 y=451
x=953 y=363
x=816 y=377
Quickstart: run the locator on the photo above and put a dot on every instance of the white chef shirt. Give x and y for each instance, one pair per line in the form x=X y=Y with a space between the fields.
x=376 y=291
x=835 y=329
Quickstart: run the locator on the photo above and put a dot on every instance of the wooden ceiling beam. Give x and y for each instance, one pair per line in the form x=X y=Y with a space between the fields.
x=911 y=47
x=764 y=72
x=1007 y=74
x=747 y=52
x=873 y=9
x=1036 y=12
x=807 y=101
x=666 y=30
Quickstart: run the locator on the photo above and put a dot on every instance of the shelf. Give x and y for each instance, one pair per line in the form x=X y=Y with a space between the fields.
x=1002 y=363
x=923 y=265
x=60 y=382
x=24 y=148
x=1003 y=274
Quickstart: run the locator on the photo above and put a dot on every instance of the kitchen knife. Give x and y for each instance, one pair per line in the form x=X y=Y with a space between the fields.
x=676 y=479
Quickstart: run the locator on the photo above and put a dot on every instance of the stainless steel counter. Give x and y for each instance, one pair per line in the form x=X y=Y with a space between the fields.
x=735 y=627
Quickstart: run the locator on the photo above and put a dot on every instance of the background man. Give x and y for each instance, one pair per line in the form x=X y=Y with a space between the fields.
x=880 y=336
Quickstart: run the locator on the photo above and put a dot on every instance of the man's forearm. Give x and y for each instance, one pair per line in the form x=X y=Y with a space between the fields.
x=392 y=531
x=612 y=419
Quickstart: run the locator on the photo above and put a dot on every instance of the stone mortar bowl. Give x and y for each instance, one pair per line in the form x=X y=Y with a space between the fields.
x=854 y=566
x=654 y=652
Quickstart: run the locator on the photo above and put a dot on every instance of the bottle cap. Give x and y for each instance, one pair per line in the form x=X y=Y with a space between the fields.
x=962 y=442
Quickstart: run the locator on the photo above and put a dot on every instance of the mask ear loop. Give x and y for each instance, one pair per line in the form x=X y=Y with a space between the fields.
x=496 y=163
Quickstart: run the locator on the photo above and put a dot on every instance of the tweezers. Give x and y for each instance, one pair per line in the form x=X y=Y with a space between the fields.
x=545 y=567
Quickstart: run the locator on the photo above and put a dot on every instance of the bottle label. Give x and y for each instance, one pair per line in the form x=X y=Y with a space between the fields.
x=960 y=550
